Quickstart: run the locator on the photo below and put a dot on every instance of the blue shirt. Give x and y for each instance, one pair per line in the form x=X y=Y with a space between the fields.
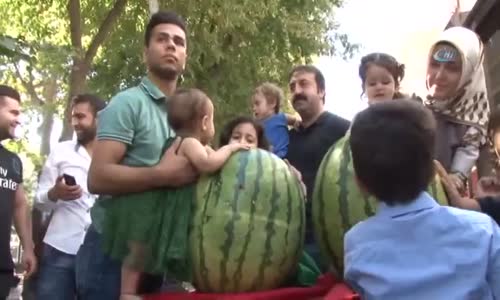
x=276 y=131
x=424 y=251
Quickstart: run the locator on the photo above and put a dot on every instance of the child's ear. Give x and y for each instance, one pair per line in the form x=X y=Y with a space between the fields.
x=204 y=123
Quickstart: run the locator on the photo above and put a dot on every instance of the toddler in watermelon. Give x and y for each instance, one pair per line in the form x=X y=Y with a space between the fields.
x=148 y=231
x=266 y=102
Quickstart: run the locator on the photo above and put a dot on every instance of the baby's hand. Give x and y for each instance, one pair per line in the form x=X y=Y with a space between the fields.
x=297 y=123
x=239 y=146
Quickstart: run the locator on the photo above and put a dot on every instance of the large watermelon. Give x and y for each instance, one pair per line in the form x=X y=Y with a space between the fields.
x=338 y=204
x=248 y=225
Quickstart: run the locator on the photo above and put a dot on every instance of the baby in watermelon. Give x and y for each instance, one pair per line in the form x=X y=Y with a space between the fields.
x=148 y=231
x=413 y=248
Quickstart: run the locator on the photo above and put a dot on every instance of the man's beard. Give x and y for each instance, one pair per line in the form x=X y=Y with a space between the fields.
x=86 y=136
x=167 y=73
x=5 y=133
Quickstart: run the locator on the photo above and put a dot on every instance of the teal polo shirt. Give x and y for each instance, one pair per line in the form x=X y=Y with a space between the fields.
x=136 y=117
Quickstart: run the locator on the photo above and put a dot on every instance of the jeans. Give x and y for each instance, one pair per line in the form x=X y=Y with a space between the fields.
x=98 y=277
x=56 y=278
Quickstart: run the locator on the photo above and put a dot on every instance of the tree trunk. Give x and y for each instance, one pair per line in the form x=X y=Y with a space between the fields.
x=48 y=110
x=154 y=6
x=45 y=130
x=82 y=59
x=76 y=86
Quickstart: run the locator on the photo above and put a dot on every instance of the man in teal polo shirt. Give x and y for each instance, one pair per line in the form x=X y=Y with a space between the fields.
x=130 y=136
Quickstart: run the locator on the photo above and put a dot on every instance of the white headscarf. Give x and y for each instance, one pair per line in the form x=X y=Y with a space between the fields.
x=470 y=104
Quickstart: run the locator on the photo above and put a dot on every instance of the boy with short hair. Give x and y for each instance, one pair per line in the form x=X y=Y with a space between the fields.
x=413 y=248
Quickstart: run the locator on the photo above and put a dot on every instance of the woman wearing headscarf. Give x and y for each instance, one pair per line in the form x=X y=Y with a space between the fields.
x=457 y=96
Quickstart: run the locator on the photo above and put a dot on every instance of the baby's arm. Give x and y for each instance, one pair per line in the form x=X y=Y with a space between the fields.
x=465 y=156
x=204 y=160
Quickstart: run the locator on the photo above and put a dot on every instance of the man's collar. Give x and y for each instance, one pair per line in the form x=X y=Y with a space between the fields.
x=150 y=88
x=321 y=118
x=423 y=201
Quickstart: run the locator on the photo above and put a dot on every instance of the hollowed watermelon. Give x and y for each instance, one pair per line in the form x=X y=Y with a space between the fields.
x=248 y=225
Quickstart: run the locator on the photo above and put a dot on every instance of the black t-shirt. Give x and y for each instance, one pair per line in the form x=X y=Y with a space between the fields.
x=491 y=207
x=11 y=175
x=307 y=148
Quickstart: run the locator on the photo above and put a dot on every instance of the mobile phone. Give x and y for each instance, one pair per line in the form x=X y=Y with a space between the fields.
x=69 y=180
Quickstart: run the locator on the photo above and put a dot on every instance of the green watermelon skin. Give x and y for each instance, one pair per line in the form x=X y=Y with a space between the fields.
x=248 y=225
x=338 y=203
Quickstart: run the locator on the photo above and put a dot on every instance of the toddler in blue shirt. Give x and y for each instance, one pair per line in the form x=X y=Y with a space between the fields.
x=266 y=101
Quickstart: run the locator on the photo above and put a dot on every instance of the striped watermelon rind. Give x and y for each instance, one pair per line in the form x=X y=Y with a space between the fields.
x=248 y=225
x=338 y=203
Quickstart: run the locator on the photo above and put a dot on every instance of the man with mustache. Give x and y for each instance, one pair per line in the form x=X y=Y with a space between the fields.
x=309 y=142
x=68 y=201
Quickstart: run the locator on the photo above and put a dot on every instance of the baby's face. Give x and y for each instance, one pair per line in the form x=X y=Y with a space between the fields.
x=244 y=133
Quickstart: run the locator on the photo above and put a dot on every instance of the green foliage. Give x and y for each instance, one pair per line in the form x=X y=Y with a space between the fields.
x=233 y=45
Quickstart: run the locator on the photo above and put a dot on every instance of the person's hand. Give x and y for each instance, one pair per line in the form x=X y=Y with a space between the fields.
x=458 y=181
x=62 y=191
x=298 y=175
x=234 y=147
x=297 y=123
x=448 y=183
x=488 y=186
x=29 y=262
x=174 y=170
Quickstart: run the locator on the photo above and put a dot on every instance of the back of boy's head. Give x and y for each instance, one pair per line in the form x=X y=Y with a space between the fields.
x=392 y=144
x=385 y=61
x=273 y=94
x=186 y=108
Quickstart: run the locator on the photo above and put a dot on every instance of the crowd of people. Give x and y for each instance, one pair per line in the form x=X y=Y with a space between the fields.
x=151 y=142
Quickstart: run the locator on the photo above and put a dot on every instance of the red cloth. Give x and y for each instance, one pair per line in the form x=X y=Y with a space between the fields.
x=341 y=292
x=326 y=284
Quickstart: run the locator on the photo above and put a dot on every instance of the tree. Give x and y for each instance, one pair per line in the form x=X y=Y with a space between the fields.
x=82 y=57
x=66 y=41
x=91 y=45
x=232 y=45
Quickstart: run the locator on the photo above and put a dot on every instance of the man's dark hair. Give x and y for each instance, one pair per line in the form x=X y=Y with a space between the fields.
x=7 y=91
x=163 y=17
x=318 y=76
x=392 y=145
x=96 y=103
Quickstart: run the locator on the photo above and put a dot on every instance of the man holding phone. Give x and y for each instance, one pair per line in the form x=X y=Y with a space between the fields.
x=62 y=190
